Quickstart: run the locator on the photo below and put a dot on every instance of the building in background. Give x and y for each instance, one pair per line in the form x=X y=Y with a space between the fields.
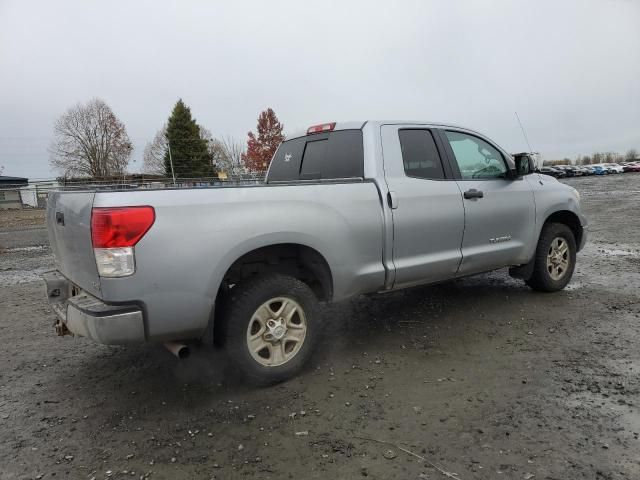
x=10 y=191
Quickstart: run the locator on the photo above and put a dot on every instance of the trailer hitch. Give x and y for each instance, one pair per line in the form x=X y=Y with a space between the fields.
x=61 y=328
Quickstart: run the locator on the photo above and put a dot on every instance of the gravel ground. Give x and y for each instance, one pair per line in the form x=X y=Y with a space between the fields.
x=482 y=377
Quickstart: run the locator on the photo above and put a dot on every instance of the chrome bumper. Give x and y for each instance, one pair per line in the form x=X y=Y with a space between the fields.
x=87 y=316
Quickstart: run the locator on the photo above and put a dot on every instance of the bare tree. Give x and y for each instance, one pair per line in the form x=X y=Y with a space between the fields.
x=154 y=152
x=226 y=153
x=212 y=145
x=631 y=154
x=234 y=153
x=1 y=169
x=219 y=155
x=89 y=140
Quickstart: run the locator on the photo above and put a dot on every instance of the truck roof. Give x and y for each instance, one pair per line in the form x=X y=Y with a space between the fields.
x=359 y=124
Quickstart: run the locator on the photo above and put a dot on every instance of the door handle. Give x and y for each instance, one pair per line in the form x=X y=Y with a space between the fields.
x=473 y=193
x=392 y=200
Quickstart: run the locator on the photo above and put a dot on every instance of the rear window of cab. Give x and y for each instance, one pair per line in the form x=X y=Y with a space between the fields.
x=331 y=155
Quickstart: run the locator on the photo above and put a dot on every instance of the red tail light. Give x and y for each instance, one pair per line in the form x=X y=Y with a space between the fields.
x=120 y=226
x=323 y=127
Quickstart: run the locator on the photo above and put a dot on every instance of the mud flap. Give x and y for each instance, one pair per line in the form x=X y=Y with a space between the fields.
x=523 y=272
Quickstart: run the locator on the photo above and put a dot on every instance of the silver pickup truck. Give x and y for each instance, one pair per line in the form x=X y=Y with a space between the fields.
x=346 y=209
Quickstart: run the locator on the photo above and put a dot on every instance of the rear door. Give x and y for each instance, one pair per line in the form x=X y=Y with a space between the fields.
x=426 y=205
x=69 y=228
x=499 y=212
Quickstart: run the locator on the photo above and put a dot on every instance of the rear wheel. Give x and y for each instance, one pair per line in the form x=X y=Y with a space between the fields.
x=270 y=327
x=555 y=258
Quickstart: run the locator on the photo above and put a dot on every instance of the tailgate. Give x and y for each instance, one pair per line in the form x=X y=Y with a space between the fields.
x=69 y=227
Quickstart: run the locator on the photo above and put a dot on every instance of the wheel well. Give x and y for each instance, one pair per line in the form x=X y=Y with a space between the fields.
x=298 y=261
x=571 y=220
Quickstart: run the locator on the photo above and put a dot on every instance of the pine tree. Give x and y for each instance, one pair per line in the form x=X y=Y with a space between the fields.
x=260 y=148
x=189 y=152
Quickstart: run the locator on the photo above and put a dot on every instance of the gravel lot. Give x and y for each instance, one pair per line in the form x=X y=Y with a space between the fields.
x=481 y=376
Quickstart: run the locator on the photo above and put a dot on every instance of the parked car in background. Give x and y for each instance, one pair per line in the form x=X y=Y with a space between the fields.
x=567 y=169
x=599 y=170
x=346 y=209
x=614 y=167
x=553 y=172
x=631 y=167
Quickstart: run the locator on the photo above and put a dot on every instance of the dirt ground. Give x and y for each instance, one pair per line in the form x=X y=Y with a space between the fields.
x=27 y=217
x=482 y=377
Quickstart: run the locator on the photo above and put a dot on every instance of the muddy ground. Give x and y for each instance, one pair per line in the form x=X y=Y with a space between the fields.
x=482 y=376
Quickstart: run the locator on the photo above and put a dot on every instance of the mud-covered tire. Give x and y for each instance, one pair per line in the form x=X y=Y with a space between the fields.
x=545 y=277
x=239 y=316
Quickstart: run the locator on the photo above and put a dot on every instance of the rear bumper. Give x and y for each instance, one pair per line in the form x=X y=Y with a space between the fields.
x=87 y=316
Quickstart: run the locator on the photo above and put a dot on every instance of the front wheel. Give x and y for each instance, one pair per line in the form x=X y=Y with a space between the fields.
x=270 y=327
x=555 y=258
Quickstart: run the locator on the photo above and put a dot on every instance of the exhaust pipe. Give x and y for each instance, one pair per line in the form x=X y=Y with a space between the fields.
x=180 y=350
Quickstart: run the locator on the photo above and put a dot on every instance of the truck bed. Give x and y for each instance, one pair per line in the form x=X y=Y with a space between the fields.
x=199 y=232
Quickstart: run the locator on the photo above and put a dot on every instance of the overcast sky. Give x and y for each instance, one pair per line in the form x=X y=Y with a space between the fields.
x=570 y=68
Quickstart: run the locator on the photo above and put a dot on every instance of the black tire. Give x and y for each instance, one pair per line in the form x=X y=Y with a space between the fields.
x=242 y=303
x=541 y=279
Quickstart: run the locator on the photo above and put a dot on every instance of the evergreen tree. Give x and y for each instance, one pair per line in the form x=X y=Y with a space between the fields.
x=189 y=152
x=261 y=147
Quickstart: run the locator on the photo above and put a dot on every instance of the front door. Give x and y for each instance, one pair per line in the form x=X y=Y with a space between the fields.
x=499 y=212
x=426 y=206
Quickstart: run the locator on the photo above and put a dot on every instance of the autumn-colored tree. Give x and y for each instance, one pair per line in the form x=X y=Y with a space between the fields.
x=261 y=147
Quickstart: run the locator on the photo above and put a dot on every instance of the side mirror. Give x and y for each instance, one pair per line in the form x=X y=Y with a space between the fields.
x=524 y=165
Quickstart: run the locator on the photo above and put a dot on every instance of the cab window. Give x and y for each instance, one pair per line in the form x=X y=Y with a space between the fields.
x=419 y=155
x=476 y=158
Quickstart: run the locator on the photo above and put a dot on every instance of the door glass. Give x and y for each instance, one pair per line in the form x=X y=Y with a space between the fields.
x=475 y=157
x=420 y=155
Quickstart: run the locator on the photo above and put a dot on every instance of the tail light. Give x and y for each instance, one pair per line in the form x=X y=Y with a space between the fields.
x=114 y=233
x=323 y=127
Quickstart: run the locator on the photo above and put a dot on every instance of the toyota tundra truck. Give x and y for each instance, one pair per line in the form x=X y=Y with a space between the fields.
x=346 y=208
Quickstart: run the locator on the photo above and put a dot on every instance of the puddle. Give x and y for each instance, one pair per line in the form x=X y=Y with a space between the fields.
x=35 y=248
x=574 y=285
x=14 y=277
x=618 y=252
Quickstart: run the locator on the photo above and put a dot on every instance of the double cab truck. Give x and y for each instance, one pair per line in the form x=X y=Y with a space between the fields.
x=346 y=209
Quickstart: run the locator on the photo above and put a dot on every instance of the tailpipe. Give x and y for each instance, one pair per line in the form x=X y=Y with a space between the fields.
x=180 y=350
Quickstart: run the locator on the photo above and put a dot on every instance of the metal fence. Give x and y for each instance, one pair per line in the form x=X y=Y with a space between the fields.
x=34 y=195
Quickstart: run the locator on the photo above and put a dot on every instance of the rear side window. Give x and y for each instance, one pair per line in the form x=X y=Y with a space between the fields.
x=286 y=162
x=420 y=155
x=320 y=156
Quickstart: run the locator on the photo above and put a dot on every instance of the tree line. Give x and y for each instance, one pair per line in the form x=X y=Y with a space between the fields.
x=89 y=141
x=597 y=158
